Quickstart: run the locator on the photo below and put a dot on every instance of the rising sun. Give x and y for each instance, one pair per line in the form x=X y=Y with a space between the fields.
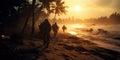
x=77 y=8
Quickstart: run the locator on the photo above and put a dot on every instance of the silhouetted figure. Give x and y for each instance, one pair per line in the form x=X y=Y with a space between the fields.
x=64 y=28
x=45 y=29
x=55 y=29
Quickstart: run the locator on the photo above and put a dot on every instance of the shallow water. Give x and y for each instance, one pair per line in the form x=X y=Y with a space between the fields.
x=105 y=40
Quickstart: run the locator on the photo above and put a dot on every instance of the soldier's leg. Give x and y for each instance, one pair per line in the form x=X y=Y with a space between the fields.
x=47 y=40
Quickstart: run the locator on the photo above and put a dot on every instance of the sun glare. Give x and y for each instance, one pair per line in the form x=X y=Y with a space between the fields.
x=72 y=32
x=77 y=26
x=77 y=8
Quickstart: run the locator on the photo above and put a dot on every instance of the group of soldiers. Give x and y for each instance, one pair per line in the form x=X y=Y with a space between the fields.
x=45 y=29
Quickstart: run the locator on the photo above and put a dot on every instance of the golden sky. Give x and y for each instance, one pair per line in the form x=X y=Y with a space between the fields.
x=91 y=8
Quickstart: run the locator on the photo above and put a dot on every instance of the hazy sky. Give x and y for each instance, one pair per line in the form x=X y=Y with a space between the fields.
x=91 y=8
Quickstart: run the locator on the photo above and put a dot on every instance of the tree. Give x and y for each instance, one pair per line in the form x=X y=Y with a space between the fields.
x=44 y=4
x=60 y=8
x=36 y=11
x=9 y=12
x=33 y=18
x=114 y=16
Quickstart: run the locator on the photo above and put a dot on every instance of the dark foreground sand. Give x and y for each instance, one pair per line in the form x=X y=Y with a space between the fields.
x=69 y=47
x=64 y=47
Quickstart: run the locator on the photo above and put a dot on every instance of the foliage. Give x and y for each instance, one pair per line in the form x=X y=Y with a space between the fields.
x=60 y=8
x=114 y=18
x=9 y=10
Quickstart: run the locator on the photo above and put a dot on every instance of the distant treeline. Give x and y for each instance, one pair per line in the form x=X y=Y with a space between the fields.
x=114 y=18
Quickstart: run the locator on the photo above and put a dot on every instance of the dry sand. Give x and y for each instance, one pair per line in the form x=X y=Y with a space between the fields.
x=70 y=47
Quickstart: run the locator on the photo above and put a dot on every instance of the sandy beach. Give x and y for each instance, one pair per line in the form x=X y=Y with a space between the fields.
x=70 y=47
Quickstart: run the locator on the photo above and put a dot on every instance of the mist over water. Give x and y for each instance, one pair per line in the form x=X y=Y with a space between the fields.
x=108 y=27
x=109 y=38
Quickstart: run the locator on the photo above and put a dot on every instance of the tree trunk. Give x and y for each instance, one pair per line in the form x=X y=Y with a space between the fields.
x=25 y=24
x=33 y=18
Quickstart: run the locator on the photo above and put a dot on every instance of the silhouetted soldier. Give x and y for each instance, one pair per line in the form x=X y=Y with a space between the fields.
x=55 y=29
x=45 y=29
x=64 y=28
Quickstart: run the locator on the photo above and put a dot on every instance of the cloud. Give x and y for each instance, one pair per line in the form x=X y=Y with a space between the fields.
x=116 y=5
x=103 y=2
x=113 y=4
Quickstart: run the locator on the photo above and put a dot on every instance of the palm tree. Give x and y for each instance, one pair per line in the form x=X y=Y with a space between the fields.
x=36 y=11
x=32 y=9
x=60 y=8
x=45 y=5
x=8 y=12
x=33 y=18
